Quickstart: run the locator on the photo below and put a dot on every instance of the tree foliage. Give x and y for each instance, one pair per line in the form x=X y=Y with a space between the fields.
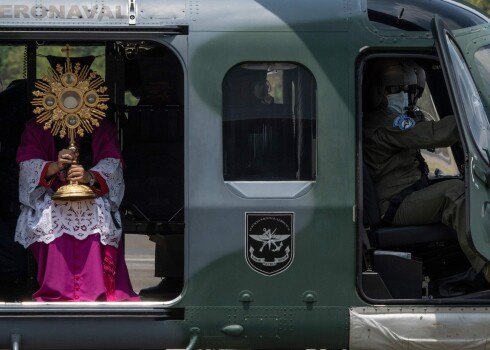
x=13 y=60
x=482 y=4
x=11 y=64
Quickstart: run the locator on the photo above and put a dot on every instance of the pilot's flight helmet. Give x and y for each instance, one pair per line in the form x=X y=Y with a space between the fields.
x=418 y=89
x=396 y=78
x=388 y=75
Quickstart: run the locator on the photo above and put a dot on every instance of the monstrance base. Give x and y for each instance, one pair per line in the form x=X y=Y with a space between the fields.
x=74 y=192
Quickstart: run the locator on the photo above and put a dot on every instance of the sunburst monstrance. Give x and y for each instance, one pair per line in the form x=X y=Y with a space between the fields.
x=70 y=99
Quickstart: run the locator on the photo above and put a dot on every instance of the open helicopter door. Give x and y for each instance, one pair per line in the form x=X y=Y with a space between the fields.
x=465 y=56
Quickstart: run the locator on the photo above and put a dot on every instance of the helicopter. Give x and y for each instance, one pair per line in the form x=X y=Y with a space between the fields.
x=241 y=126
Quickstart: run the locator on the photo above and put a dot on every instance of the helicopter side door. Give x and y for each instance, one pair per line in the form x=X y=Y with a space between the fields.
x=465 y=56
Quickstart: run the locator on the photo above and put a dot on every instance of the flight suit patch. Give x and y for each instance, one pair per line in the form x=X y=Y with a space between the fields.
x=403 y=122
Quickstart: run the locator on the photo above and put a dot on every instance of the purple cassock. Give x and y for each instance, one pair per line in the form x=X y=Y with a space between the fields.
x=75 y=243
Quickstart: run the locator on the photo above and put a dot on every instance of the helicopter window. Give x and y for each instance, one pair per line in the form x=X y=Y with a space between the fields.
x=472 y=104
x=482 y=60
x=416 y=15
x=440 y=161
x=269 y=123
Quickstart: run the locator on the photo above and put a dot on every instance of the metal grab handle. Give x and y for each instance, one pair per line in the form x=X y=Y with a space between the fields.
x=481 y=174
x=195 y=332
x=15 y=341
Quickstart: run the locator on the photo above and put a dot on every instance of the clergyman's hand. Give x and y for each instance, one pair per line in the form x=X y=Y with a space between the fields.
x=77 y=173
x=65 y=158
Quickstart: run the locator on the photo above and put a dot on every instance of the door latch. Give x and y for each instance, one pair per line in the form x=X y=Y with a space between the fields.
x=481 y=174
x=132 y=11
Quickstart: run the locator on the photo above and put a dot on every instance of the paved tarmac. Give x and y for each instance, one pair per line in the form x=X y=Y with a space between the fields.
x=140 y=259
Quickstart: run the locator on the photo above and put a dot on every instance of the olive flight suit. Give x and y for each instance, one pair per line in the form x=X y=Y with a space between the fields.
x=391 y=144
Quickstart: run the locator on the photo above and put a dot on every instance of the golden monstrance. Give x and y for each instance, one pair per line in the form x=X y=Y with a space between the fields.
x=70 y=99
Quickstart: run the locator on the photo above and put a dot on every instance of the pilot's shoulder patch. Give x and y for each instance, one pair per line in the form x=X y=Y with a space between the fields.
x=403 y=122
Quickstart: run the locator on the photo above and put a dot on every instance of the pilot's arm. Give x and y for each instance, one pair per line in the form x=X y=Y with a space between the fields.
x=407 y=134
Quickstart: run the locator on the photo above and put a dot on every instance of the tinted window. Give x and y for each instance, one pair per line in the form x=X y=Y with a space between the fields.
x=482 y=59
x=416 y=15
x=269 y=120
x=440 y=161
x=472 y=104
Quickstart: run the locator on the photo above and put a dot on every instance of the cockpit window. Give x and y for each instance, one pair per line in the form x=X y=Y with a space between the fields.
x=269 y=123
x=482 y=59
x=472 y=104
x=416 y=15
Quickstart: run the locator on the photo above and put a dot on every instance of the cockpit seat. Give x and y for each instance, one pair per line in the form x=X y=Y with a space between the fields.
x=404 y=236
x=391 y=269
x=384 y=237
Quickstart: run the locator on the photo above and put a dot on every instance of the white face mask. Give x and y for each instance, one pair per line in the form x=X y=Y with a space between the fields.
x=398 y=103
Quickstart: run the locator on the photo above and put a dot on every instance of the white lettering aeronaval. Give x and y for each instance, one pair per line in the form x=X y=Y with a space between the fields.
x=63 y=12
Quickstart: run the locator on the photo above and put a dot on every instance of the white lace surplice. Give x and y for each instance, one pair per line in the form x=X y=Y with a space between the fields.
x=43 y=220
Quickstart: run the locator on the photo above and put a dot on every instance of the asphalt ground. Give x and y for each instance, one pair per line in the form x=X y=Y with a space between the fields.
x=140 y=259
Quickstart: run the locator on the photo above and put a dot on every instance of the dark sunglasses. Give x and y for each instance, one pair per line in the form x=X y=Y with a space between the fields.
x=394 y=89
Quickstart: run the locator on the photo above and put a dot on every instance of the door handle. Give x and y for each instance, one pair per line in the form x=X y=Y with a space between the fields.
x=15 y=341
x=486 y=217
x=481 y=174
x=195 y=333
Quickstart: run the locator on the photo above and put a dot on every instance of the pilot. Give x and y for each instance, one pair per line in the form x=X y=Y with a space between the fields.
x=393 y=136
x=261 y=90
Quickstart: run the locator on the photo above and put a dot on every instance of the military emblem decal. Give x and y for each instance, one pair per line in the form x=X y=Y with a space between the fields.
x=269 y=247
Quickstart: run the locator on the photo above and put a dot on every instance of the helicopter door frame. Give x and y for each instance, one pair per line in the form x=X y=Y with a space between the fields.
x=468 y=107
